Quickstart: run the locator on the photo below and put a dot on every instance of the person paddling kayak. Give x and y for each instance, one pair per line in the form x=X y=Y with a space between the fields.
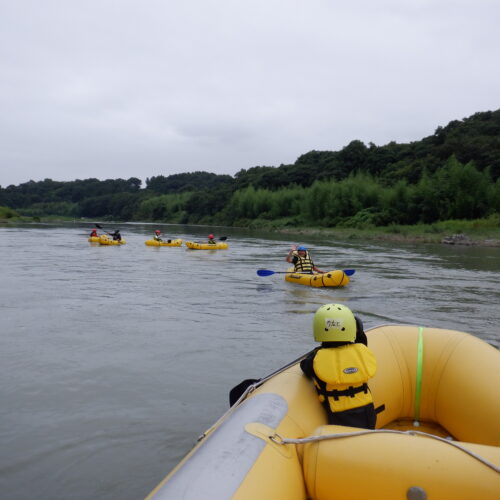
x=116 y=235
x=300 y=258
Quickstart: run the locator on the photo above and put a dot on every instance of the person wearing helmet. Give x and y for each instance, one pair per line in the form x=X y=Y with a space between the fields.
x=156 y=236
x=341 y=367
x=211 y=240
x=116 y=235
x=93 y=233
x=300 y=258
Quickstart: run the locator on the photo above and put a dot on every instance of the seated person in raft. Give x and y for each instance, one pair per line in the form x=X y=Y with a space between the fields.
x=341 y=367
x=116 y=235
x=300 y=258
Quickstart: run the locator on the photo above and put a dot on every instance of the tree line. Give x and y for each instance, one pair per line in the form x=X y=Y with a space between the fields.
x=452 y=174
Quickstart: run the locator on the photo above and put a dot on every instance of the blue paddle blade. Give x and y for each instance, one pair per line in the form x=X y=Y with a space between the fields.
x=264 y=272
x=349 y=272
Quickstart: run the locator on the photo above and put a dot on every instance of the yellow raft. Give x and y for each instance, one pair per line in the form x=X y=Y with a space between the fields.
x=206 y=246
x=437 y=438
x=93 y=239
x=330 y=278
x=106 y=240
x=168 y=243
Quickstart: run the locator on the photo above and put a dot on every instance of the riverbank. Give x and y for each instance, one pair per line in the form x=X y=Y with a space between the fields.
x=360 y=234
x=482 y=232
x=479 y=232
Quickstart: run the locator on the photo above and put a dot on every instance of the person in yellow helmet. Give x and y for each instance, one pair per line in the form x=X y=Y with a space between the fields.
x=341 y=367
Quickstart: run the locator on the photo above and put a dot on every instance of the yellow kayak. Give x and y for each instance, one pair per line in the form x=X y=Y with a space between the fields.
x=106 y=240
x=330 y=278
x=93 y=239
x=168 y=243
x=437 y=437
x=206 y=246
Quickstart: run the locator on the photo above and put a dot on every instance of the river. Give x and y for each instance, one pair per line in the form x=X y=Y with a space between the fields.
x=114 y=359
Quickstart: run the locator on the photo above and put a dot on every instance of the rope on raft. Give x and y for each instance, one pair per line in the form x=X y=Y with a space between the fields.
x=276 y=438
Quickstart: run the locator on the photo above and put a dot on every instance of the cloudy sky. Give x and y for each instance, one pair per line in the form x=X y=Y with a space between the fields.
x=129 y=88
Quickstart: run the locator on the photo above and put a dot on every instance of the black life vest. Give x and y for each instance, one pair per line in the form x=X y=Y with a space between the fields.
x=303 y=264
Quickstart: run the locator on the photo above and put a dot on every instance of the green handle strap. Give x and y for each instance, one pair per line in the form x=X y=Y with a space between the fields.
x=418 y=379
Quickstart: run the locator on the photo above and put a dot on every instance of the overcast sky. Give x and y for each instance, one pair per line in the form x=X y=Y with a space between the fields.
x=126 y=88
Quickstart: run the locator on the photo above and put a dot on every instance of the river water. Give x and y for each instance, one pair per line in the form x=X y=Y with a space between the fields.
x=114 y=359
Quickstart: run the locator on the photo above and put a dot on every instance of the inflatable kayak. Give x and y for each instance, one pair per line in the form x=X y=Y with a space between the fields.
x=330 y=278
x=438 y=435
x=206 y=246
x=106 y=240
x=167 y=243
x=93 y=239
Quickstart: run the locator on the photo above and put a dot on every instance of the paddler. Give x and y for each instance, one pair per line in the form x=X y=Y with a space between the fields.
x=300 y=258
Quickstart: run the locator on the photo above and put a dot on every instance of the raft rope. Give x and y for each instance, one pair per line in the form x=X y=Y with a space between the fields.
x=418 y=378
x=276 y=438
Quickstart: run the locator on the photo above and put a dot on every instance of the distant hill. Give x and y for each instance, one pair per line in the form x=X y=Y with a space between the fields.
x=475 y=139
x=467 y=150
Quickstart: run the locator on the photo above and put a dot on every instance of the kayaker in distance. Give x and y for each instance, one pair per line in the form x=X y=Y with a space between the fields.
x=211 y=240
x=116 y=235
x=93 y=233
x=341 y=367
x=156 y=237
x=300 y=258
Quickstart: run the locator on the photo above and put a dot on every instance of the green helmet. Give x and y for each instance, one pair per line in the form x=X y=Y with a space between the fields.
x=334 y=323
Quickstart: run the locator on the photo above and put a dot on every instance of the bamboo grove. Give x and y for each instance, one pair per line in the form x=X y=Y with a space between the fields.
x=453 y=174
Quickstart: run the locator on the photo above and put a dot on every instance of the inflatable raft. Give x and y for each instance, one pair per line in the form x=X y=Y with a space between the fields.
x=106 y=240
x=330 y=278
x=93 y=239
x=205 y=246
x=168 y=243
x=437 y=438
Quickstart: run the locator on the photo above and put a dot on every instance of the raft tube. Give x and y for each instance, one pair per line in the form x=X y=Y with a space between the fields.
x=438 y=436
x=168 y=243
x=93 y=239
x=330 y=278
x=206 y=246
x=106 y=240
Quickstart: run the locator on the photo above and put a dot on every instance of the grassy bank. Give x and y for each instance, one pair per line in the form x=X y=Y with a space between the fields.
x=7 y=215
x=485 y=232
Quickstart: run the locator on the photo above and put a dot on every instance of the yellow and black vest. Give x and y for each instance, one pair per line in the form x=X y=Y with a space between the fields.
x=341 y=375
x=303 y=264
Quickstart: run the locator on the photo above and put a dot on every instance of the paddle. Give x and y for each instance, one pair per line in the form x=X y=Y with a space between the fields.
x=239 y=390
x=98 y=226
x=267 y=272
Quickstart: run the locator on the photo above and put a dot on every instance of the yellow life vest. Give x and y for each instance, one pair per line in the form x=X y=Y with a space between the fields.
x=303 y=264
x=341 y=375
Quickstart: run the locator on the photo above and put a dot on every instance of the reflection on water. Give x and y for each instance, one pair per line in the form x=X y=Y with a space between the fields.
x=113 y=359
